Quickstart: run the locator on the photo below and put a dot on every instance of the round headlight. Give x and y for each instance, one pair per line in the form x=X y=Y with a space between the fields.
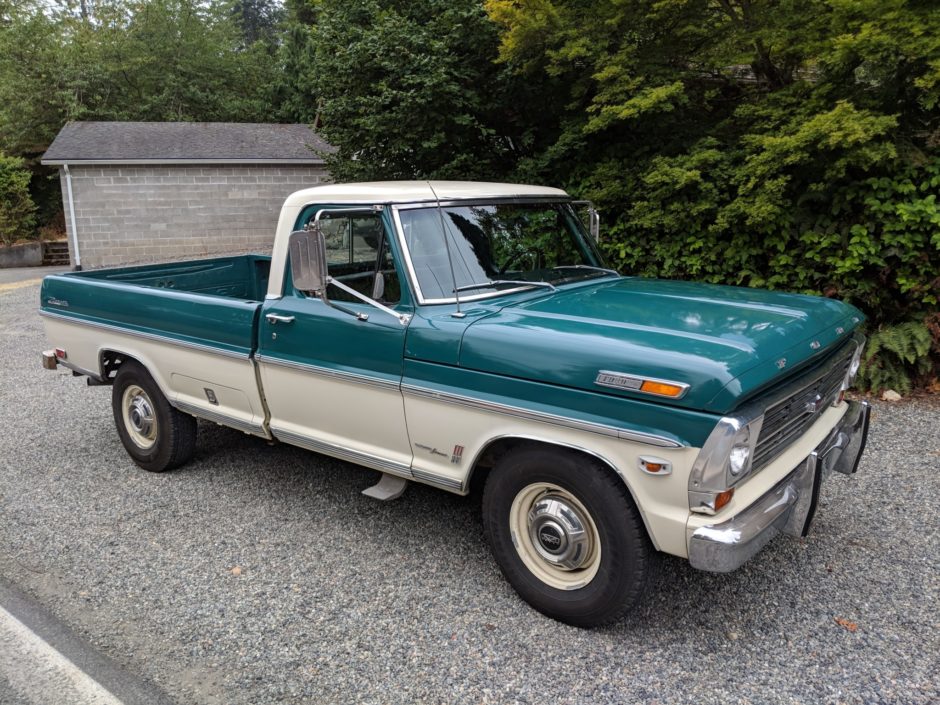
x=856 y=362
x=737 y=461
x=853 y=368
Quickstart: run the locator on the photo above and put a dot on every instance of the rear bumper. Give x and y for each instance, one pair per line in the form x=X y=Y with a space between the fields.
x=787 y=508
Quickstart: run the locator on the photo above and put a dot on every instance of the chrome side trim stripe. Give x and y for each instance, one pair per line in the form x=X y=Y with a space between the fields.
x=215 y=417
x=370 y=461
x=146 y=336
x=601 y=429
x=367 y=460
x=329 y=372
x=445 y=483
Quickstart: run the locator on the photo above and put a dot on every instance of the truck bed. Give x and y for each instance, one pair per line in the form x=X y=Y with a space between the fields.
x=211 y=302
x=243 y=277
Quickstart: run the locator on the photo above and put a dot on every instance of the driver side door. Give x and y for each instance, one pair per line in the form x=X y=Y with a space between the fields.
x=331 y=377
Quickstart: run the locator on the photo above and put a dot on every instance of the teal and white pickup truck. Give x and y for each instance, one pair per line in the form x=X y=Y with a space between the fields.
x=450 y=332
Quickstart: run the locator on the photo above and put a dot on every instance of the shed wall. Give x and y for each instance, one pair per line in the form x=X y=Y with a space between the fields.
x=127 y=214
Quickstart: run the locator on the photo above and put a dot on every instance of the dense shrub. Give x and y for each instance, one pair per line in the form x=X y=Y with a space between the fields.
x=17 y=210
x=877 y=245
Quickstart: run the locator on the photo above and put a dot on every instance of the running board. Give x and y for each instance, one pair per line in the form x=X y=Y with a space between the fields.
x=389 y=487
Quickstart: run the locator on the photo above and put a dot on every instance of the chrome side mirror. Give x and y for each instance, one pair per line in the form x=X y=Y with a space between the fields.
x=595 y=222
x=594 y=218
x=308 y=261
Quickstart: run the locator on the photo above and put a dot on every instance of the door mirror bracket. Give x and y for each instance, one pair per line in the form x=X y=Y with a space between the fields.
x=594 y=218
x=310 y=272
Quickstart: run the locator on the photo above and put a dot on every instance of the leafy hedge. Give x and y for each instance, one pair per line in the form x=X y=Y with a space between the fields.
x=877 y=245
x=17 y=210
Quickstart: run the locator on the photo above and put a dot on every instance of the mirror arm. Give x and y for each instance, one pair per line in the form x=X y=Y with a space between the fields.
x=594 y=218
x=403 y=318
x=356 y=314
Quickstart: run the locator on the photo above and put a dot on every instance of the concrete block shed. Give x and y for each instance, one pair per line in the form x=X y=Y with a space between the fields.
x=152 y=191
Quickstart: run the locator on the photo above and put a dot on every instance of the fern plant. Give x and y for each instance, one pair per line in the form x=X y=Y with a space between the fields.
x=892 y=354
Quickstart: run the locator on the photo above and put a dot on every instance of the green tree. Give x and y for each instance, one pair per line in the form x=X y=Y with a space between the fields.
x=259 y=20
x=159 y=60
x=144 y=60
x=408 y=89
x=16 y=207
x=295 y=91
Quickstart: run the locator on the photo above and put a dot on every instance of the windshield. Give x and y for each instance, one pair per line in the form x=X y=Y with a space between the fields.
x=496 y=247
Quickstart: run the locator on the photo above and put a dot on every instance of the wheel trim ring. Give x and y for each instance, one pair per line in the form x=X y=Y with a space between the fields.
x=547 y=572
x=139 y=416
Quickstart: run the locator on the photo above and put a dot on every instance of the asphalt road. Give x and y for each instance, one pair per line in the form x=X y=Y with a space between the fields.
x=10 y=277
x=259 y=574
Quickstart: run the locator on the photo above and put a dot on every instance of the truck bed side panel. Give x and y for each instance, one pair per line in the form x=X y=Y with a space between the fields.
x=197 y=347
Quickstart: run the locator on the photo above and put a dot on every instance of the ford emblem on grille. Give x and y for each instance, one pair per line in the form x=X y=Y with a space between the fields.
x=815 y=405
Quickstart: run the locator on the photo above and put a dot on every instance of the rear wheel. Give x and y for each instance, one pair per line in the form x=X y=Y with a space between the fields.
x=157 y=436
x=566 y=535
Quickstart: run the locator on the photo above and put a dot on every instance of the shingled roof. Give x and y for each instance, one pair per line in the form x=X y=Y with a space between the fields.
x=184 y=143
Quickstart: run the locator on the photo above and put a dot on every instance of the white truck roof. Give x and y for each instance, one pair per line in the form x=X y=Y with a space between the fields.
x=416 y=191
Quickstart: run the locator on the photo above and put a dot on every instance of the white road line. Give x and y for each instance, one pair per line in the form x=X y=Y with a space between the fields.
x=40 y=674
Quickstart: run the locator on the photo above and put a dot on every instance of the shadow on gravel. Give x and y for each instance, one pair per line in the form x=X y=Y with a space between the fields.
x=301 y=480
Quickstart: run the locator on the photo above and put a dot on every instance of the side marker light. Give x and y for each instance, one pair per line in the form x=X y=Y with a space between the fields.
x=661 y=388
x=722 y=498
x=654 y=466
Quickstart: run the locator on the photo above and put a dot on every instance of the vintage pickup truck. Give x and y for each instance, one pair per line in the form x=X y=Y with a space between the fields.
x=455 y=332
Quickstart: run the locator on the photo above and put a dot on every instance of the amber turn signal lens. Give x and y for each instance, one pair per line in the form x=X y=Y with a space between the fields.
x=661 y=388
x=722 y=498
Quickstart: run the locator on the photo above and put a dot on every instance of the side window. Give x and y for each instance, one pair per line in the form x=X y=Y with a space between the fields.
x=358 y=254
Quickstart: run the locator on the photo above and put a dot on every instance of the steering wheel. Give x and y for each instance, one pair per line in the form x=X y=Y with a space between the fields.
x=516 y=256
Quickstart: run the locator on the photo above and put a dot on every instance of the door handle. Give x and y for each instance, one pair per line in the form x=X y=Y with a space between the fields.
x=275 y=318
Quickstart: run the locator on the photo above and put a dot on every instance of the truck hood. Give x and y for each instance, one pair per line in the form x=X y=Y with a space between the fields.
x=726 y=343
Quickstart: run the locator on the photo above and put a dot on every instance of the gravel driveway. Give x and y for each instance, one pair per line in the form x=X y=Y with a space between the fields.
x=259 y=574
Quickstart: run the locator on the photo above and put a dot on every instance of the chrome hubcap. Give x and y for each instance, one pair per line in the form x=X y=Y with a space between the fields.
x=555 y=536
x=139 y=417
x=557 y=531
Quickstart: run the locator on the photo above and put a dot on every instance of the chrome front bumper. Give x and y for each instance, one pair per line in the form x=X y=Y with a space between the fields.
x=788 y=508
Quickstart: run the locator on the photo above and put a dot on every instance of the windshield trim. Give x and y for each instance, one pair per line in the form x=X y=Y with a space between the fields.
x=409 y=267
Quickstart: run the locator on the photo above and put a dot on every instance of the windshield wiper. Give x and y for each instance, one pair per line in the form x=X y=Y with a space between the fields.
x=496 y=283
x=587 y=266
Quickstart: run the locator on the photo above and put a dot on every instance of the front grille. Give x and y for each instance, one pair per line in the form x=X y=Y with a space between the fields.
x=787 y=420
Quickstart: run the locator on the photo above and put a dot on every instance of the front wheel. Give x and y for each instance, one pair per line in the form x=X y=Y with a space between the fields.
x=566 y=535
x=157 y=436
